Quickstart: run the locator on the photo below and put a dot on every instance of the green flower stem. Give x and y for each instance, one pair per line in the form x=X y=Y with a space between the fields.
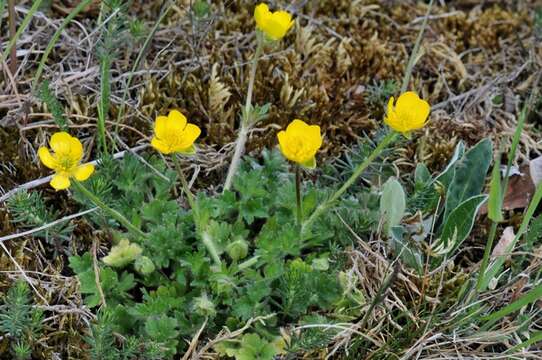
x=298 y=194
x=184 y=183
x=246 y=120
x=113 y=213
x=205 y=236
x=357 y=173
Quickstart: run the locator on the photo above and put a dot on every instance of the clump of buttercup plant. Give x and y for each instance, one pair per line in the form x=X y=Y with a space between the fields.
x=268 y=250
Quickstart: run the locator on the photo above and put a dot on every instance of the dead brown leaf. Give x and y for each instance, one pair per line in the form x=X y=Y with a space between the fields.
x=506 y=239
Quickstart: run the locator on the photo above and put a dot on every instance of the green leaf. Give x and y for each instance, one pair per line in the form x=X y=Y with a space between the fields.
x=458 y=225
x=408 y=255
x=470 y=175
x=255 y=348
x=422 y=174
x=392 y=204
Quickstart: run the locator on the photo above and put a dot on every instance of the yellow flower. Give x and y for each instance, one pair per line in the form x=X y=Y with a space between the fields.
x=410 y=113
x=65 y=161
x=300 y=142
x=173 y=134
x=273 y=24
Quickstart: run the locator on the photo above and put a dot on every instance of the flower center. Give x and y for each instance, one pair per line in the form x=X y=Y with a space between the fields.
x=65 y=162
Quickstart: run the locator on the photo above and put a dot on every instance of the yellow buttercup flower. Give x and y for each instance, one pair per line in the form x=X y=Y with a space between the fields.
x=273 y=24
x=410 y=113
x=65 y=160
x=300 y=142
x=173 y=134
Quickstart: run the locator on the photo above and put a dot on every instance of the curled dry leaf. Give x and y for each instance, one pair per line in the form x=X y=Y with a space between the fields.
x=521 y=186
x=506 y=239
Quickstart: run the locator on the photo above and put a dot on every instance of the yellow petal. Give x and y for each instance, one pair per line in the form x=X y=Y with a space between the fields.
x=60 y=182
x=277 y=26
x=83 y=172
x=160 y=126
x=390 y=105
x=284 y=19
x=46 y=158
x=407 y=100
x=314 y=137
x=283 y=144
x=177 y=119
x=61 y=142
x=161 y=146
x=188 y=151
x=297 y=127
x=76 y=150
x=412 y=111
x=261 y=15
x=189 y=135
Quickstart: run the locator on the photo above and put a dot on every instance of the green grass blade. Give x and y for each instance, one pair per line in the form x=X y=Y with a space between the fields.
x=103 y=104
x=82 y=5
x=22 y=27
x=414 y=53
x=2 y=6
x=534 y=338
x=524 y=300
x=494 y=206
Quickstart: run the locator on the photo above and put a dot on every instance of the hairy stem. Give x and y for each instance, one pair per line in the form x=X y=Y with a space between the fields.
x=298 y=194
x=184 y=184
x=357 y=173
x=206 y=238
x=246 y=120
x=113 y=213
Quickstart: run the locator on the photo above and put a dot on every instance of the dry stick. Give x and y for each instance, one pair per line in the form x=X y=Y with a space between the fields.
x=379 y=295
x=46 y=226
x=194 y=341
x=38 y=182
x=230 y=335
x=23 y=273
x=97 y=272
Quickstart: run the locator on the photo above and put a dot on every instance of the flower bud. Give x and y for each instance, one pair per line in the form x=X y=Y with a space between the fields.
x=144 y=265
x=238 y=249
x=204 y=306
